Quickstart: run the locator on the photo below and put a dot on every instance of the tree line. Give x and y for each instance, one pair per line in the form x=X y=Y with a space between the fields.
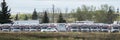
x=5 y=16
x=105 y=14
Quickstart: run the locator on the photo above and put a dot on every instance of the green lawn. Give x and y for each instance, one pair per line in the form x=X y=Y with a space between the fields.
x=58 y=36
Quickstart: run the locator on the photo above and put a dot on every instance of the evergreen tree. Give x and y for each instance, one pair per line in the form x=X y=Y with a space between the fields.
x=34 y=15
x=0 y=12
x=110 y=16
x=16 y=17
x=45 y=18
x=61 y=20
x=117 y=10
x=26 y=17
x=5 y=13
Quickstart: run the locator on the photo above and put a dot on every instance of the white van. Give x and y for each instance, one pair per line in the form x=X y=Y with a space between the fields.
x=85 y=28
x=26 y=28
x=74 y=28
x=33 y=28
x=15 y=29
x=105 y=28
x=115 y=28
x=94 y=28
x=5 y=29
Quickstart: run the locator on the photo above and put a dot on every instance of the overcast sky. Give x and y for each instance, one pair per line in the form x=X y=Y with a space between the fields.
x=27 y=6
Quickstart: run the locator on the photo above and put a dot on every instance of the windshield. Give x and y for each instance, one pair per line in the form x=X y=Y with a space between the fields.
x=74 y=28
x=33 y=27
x=26 y=28
x=104 y=27
x=51 y=28
x=6 y=28
x=84 y=27
x=16 y=28
x=94 y=27
x=44 y=27
x=115 y=28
